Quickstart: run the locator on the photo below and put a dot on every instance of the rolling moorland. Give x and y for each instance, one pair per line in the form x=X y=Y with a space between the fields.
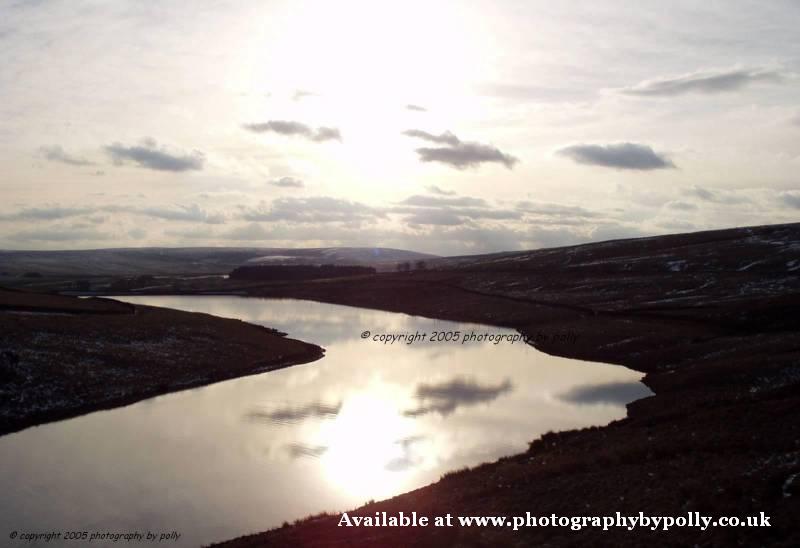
x=710 y=317
x=62 y=356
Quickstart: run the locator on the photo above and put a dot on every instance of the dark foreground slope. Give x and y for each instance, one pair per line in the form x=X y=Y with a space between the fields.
x=712 y=318
x=62 y=356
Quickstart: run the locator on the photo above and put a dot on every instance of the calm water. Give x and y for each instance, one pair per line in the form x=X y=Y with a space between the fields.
x=367 y=421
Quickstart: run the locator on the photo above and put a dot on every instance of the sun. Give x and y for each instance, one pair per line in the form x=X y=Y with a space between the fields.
x=361 y=63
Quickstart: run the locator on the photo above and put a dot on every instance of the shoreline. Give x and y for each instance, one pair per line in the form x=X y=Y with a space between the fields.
x=60 y=365
x=111 y=404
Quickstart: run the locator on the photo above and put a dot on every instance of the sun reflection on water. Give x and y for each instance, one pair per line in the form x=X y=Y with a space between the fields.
x=364 y=440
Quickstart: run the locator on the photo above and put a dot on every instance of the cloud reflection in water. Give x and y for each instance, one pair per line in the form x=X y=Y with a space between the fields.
x=293 y=415
x=445 y=398
x=615 y=393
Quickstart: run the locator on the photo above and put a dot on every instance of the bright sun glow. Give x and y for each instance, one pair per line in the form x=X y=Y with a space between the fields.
x=361 y=63
x=363 y=441
x=346 y=48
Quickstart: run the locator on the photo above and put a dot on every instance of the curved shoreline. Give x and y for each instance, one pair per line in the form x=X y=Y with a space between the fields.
x=56 y=367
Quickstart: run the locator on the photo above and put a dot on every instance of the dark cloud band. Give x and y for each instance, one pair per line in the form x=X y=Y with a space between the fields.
x=149 y=155
x=618 y=156
x=457 y=153
x=292 y=128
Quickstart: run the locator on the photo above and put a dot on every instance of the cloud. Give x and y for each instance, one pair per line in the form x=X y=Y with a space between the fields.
x=703 y=82
x=191 y=213
x=701 y=193
x=720 y=197
x=55 y=153
x=618 y=156
x=450 y=240
x=149 y=155
x=301 y=450
x=59 y=234
x=284 y=127
x=790 y=198
x=193 y=233
x=498 y=214
x=434 y=217
x=416 y=108
x=445 y=138
x=45 y=213
x=444 y=398
x=327 y=134
x=407 y=460
x=466 y=155
x=618 y=393
x=681 y=206
x=459 y=154
x=318 y=209
x=137 y=233
x=252 y=231
x=449 y=210
x=455 y=216
x=287 y=182
x=435 y=201
x=679 y=226
x=554 y=210
x=293 y=415
x=257 y=232
x=438 y=190
x=463 y=239
x=291 y=128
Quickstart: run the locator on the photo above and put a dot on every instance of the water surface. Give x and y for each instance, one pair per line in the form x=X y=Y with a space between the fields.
x=368 y=421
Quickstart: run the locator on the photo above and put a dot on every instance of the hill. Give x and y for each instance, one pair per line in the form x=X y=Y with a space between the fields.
x=710 y=317
x=188 y=260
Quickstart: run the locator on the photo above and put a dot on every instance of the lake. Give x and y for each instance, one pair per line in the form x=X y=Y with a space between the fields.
x=368 y=421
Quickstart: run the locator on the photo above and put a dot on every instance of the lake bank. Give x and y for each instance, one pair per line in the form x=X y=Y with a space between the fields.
x=63 y=357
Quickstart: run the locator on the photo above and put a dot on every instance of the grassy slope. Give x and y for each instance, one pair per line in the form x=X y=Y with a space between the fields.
x=712 y=318
x=61 y=356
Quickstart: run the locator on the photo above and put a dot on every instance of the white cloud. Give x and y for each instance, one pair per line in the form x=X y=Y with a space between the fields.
x=720 y=81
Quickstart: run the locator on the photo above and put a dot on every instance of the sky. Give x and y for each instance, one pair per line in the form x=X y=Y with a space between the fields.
x=442 y=127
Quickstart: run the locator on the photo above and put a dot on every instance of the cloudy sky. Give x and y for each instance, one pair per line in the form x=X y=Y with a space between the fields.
x=446 y=127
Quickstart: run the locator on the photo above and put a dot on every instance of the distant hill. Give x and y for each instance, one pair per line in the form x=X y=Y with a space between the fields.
x=756 y=249
x=271 y=272
x=190 y=260
x=657 y=273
